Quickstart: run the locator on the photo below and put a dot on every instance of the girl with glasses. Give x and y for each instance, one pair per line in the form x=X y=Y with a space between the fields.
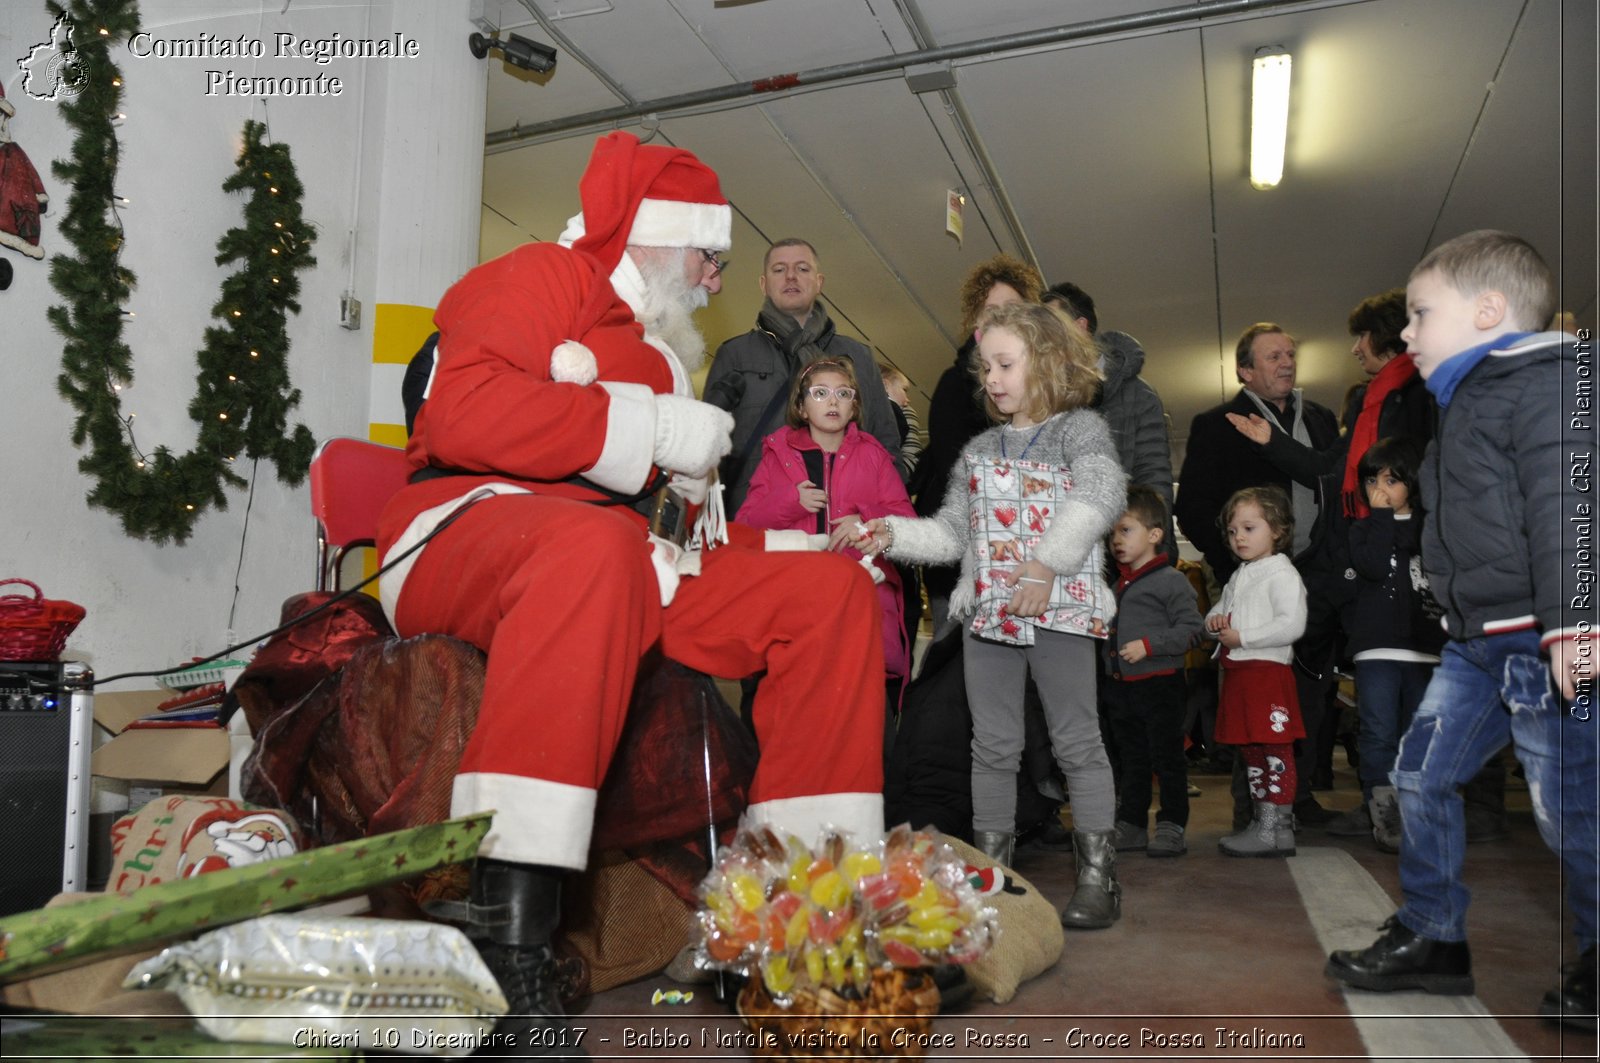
x=822 y=474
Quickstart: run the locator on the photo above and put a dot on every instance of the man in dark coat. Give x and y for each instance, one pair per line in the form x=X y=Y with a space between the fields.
x=751 y=374
x=1220 y=460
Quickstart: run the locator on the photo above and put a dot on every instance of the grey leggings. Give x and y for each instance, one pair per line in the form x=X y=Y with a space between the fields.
x=1063 y=669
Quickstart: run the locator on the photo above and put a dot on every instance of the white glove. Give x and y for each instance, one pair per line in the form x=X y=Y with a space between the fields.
x=691 y=436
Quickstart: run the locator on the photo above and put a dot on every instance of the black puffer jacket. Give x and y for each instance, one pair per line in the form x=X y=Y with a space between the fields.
x=1509 y=489
x=1393 y=607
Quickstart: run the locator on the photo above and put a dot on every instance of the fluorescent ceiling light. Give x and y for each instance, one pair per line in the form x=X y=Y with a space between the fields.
x=1269 y=115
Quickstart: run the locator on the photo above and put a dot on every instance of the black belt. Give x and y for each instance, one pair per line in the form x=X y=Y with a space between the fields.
x=654 y=503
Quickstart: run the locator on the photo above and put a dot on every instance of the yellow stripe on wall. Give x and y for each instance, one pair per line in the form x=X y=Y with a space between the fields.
x=398 y=330
x=392 y=435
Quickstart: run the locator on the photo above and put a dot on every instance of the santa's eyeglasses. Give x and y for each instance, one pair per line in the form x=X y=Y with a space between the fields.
x=714 y=260
x=821 y=393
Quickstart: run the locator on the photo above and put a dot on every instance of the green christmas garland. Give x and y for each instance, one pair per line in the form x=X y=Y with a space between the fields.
x=243 y=395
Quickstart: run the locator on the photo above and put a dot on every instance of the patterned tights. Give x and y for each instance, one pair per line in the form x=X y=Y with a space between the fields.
x=1269 y=772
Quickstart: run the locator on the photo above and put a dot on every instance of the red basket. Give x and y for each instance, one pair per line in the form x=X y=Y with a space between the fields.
x=36 y=628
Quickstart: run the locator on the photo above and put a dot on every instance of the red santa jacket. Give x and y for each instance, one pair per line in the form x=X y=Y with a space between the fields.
x=496 y=411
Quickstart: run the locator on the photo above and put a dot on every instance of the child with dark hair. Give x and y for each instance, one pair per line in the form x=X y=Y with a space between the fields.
x=1261 y=613
x=1392 y=625
x=1144 y=694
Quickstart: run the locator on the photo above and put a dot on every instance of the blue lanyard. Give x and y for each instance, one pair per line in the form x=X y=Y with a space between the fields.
x=1031 y=440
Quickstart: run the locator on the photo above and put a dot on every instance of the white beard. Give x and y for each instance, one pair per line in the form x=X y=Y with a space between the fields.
x=669 y=305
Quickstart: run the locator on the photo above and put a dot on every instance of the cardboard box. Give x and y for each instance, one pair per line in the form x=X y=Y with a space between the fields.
x=155 y=761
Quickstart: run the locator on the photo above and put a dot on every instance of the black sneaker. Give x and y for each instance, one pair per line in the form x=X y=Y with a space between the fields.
x=1355 y=823
x=1400 y=959
x=1577 y=1000
x=1308 y=813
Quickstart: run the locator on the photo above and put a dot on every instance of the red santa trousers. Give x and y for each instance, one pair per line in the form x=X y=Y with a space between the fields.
x=562 y=596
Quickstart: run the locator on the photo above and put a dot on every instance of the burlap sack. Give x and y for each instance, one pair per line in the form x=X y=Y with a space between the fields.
x=1031 y=938
x=622 y=923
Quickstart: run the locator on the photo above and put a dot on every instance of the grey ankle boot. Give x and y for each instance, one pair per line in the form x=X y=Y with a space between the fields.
x=1268 y=834
x=998 y=845
x=1097 y=902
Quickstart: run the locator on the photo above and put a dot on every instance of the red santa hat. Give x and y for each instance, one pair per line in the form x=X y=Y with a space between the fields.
x=649 y=195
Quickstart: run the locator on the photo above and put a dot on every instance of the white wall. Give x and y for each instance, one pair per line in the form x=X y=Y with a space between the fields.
x=149 y=606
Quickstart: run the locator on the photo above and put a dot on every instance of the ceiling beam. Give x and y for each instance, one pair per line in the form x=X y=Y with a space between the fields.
x=974 y=140
x=1165 y=17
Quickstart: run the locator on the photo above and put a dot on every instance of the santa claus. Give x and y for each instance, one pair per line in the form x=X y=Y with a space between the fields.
x=22 y=194
x=560 y=400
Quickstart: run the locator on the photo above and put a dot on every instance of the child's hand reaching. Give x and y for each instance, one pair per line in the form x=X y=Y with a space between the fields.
x=844 y=531
x=812 y=497
x=1032 y=581
x=1133 y=652
x=870 y=538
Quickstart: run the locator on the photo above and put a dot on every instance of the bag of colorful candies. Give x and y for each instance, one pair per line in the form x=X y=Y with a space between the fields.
x=828 y=915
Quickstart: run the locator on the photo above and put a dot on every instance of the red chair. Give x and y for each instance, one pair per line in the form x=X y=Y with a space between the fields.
x=351 y=479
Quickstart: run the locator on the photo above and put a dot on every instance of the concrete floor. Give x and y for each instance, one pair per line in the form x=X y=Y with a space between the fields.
x=1209 y=943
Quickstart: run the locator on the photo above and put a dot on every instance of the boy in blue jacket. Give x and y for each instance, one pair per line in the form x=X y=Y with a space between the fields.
x=1509 y=552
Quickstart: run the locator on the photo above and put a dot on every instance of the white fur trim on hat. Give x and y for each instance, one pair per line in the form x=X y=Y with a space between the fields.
x=675 y=223
x=573 y=363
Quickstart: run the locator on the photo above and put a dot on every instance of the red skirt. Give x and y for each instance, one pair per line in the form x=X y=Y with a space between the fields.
x=1258 y=704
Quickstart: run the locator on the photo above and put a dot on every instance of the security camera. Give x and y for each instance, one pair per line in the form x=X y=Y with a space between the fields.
x=516 y=50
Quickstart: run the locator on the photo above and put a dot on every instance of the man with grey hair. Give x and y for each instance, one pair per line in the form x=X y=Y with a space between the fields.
x=1220 y=460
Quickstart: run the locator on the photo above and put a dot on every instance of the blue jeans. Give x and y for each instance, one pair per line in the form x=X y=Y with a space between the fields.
x=1387 y=696
x=1485 y=691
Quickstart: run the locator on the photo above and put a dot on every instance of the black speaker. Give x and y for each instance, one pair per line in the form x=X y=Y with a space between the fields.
x=46 y=731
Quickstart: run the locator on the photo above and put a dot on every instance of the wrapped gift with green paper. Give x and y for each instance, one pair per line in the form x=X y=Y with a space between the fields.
x=33 y=940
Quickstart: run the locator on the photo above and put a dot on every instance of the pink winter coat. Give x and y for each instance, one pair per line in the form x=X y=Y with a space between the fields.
x=860 y=478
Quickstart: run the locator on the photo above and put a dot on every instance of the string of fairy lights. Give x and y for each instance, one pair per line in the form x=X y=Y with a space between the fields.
x=243 y=394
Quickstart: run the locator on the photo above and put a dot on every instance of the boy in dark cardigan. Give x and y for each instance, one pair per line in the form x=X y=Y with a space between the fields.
x=1144 y=694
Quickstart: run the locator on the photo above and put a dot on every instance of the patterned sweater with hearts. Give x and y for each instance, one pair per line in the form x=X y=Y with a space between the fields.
x=1075 y=447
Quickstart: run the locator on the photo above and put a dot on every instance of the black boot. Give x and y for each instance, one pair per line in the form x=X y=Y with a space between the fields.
x=1577 y=1000
x=1400 y=959
x=511 y=917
